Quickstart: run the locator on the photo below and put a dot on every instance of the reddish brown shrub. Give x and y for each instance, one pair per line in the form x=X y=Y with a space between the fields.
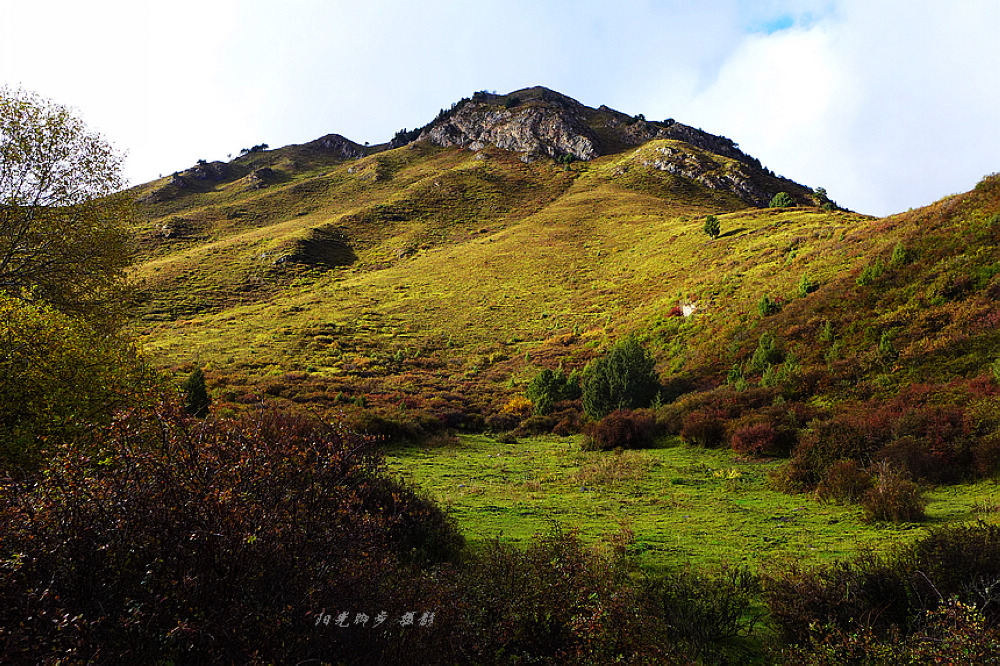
x=893 y=498
x=844 y=482
x=567 y=421
x=704 y=427
x=622 y=429
x=987 y=455
x=217 y=540
x=855 y=435
x=756 y=439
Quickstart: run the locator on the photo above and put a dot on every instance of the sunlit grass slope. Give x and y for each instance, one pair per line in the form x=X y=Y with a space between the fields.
x=463 y=271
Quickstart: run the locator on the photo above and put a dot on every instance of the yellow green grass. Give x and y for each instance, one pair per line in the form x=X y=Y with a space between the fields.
x=683 y=504
x=477 y=264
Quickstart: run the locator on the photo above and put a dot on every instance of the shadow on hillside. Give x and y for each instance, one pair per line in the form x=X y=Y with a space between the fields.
x=733 y=232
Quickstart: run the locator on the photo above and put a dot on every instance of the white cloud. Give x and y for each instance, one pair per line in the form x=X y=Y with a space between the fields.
x=888 y=106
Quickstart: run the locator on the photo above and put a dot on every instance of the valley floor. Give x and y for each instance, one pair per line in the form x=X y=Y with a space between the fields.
x=677 y=504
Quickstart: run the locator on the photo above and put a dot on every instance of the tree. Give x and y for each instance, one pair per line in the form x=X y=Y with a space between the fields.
x=624 y=378
x=58 y=380
x=64 y=364
x=823 y=200
x=63 y=216
x=196 y=400
x=549 y=387
x=782 y=200
x=712 y=227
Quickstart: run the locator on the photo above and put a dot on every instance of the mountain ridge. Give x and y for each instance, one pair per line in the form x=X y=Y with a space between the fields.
x=438 y=280
x=533 y=123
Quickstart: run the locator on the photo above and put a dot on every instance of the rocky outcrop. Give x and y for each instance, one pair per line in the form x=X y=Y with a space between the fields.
x=539 y=121
x=533 y=129
x=208 y=171
x=338 y=146
x=733 y=176
x=259 y=179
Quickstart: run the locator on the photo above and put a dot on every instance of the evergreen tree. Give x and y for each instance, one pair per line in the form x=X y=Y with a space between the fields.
x=625 y=378
x=196 y=400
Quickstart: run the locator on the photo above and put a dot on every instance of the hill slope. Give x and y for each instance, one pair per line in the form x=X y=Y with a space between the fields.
x=431 y=277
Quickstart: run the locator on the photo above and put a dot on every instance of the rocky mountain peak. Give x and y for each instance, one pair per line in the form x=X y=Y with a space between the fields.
x=539 y=122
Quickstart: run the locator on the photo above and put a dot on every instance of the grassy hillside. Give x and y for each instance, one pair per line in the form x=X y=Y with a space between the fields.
x=438 y=269
x=422 y=287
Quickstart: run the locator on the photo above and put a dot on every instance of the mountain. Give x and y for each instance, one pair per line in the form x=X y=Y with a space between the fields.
x=430 y=278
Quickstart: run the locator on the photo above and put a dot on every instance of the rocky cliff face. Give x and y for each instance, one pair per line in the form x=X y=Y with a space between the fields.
x=539 y=126
x=537 y=122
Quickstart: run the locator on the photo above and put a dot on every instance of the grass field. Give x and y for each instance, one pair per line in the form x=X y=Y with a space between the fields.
x=683 y=504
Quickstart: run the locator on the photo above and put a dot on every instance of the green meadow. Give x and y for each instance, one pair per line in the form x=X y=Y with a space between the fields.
x=674 y=504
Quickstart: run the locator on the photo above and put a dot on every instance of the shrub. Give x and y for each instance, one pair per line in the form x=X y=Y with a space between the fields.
x=704 y=427
x=536 y=424
x=781 y=200
x=624 y=378
x=986 y=455
x=215 y=540
x=900 y=257
x=549 y=387
x=870 y=273
x=845 y=482
x=712 y=227
x=755 y=439
x=502 y=422
x=893 y=498
x=954 y=633
x=855 y=435
x=768 y=353
x=823 y=200
x=60 y=380
x=622 y=429
x=705 y=611
x=767 y=306
x=806 y=286
x=867 y=592
x=876 y=594
x=556 y=601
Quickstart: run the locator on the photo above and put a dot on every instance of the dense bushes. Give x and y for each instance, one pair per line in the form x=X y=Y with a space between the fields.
x=622 y=429
x=877 y=594
x=954 y=633
x=219 y=538
x=704 y=427
x=59 y=378
x=781 y=200
x=705 y=612
x=557 y=601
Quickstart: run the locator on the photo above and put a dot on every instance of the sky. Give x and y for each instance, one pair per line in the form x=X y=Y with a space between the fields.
x=888 y=104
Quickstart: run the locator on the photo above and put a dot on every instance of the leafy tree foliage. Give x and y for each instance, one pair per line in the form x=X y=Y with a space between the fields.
x=62 y=215
x=549 y=387
x=58 y=379
x=64 y=368
x=625 y=378
x=782 y=200
x=712 y=227
x=823 y=200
